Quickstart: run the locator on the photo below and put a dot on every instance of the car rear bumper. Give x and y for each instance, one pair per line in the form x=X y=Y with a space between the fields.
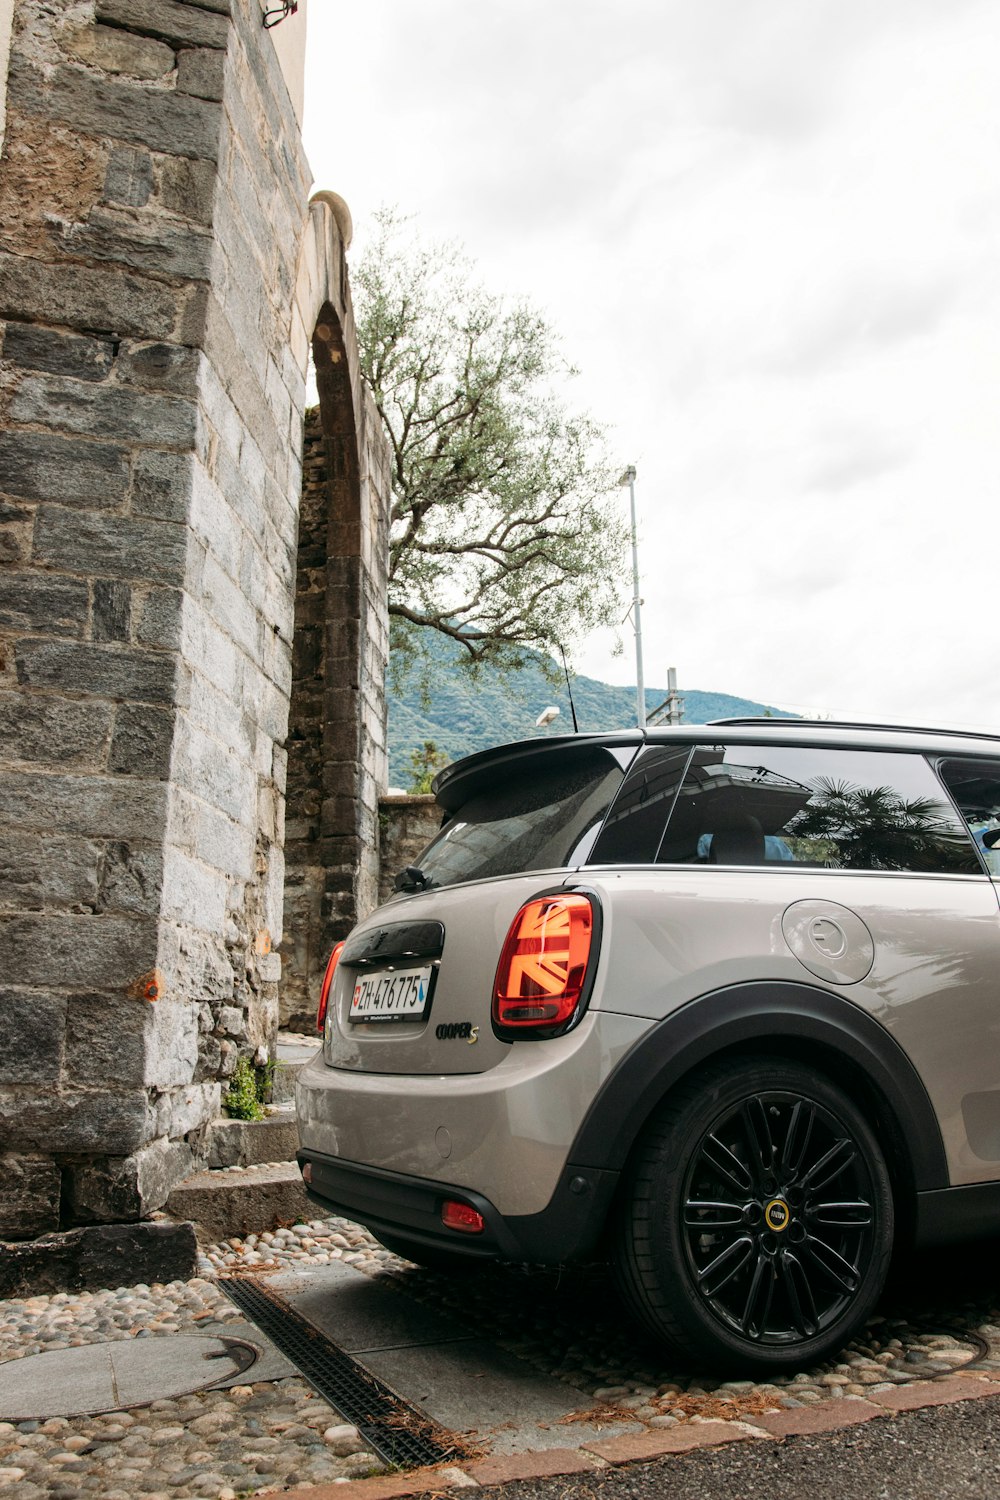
x=569 y=1228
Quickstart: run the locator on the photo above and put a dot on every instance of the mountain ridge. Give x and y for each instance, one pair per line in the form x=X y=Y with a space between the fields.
x=439 y=701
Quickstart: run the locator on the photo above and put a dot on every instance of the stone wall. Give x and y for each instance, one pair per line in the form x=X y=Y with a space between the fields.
x=161 y=274
x=337 y=760
x=408 y=823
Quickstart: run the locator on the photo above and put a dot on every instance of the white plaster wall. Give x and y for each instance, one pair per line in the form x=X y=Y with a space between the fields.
x=6 y=22
x=289 y=38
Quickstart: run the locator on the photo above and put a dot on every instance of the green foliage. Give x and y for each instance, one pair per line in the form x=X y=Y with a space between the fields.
x=425 y=762
x=503 y=531
x=243 y=1099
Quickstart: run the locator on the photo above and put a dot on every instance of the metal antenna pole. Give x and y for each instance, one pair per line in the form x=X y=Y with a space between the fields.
x=640 y=688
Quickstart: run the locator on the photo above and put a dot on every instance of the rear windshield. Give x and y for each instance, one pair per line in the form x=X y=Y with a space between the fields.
x=540 y=818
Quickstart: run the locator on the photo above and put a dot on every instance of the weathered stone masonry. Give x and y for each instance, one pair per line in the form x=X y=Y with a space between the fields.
x=161 y=277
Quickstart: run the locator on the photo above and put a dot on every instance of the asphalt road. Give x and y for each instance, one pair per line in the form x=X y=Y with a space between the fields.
x=940 y=1453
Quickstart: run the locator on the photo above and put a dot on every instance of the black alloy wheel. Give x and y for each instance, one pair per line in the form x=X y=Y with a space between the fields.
x=758 y=1230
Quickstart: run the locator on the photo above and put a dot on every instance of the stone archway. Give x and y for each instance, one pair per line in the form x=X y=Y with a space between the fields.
x=336 y=741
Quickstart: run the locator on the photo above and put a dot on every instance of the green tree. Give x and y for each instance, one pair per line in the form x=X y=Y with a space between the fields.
x=875 y=828
x=504 y=534
x=425 y=762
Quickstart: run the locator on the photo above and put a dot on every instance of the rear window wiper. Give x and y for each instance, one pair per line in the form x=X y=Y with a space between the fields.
x=411 y=879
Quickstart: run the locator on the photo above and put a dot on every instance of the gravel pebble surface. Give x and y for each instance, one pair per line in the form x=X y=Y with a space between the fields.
x=215 y=1445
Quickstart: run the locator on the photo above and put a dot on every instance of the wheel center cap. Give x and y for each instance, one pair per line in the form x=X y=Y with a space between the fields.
x=777 y=1215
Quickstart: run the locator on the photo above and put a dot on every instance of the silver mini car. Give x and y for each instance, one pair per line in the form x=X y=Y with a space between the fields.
x=719 y=1001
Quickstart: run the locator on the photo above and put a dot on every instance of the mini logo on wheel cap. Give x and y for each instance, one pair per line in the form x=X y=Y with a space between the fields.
x=776 y=1215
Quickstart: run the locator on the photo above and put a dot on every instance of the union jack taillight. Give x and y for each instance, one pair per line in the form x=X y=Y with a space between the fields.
x=540 y=981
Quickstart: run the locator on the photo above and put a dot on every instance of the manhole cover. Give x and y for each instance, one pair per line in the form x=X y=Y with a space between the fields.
x=117 y=1375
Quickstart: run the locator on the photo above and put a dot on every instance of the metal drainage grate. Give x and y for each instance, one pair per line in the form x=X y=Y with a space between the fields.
x=397 y=1431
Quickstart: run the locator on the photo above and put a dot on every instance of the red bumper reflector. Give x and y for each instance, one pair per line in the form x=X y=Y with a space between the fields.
x=307 y=1171
x=460 y=1216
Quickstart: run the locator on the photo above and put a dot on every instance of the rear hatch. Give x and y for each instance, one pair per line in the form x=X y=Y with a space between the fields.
x=413 y=990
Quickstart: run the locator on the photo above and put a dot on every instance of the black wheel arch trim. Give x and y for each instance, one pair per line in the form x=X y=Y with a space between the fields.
x=752 y=1013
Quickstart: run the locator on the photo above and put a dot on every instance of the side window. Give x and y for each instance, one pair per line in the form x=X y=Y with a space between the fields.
x=975 y=786
x=634 y=827
x=828 y=808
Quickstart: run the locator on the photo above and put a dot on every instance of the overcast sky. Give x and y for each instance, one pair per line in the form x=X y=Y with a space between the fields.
x=769 y=232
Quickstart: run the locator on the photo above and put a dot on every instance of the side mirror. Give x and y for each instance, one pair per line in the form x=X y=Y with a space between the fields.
x=991 y=838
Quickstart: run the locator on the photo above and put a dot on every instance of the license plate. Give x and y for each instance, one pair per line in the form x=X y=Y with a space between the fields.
x=391 y=995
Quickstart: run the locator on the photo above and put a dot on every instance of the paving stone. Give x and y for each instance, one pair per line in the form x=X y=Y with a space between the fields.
x=826 y=1416
x=932 y=1393
x=546 y=1463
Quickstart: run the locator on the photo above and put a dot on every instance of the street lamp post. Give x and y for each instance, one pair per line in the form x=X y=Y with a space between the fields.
x=640 y=689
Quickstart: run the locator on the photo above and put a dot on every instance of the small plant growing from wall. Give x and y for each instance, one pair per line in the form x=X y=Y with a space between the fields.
x=242 y=1100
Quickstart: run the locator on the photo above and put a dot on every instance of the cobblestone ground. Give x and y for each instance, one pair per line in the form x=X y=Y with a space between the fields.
x=217 y=1445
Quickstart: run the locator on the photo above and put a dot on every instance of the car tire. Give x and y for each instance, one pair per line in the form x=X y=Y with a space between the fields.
x=431 y=1257
x=756 y=1226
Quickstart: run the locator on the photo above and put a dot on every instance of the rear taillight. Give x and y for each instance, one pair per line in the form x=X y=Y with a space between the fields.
x=539 y=988
x=324 y=994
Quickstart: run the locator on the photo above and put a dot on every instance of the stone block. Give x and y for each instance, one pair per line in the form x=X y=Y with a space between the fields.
x=43 y=466
x=172 y=20
x=161 y=247
x=111 y=619
x=92 y=1122
x=201 y=71
x=105 y=671
x=172 y=1053
x=141 y=741
x=99 y=106
x=214 y=773
x=29 y=1197
x=105 y=1046
x=161 y=485
x=129 y=177
x=186 y=187
x=15 y=537
x=161 y=622
x=230 y=1020
x=111 y=546
x=193 y=893
x=129 y=1187
x=59 y=874
x=84 y=805
x=161 y=367
x=33 y=1023
x=218 y=842
x=38 y=602
x=244 y=1143
x=54 y=730
x=105 y=952
x=34 y=348
x=102 y=411
x=231 y=609
x=189 y=1108
x=118 y=51
x=228 y=1203
x=81 y=297
x=130 y=878
x=91 y=1259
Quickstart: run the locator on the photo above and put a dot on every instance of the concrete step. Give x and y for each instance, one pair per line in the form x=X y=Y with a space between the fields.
x=240 y=1200
x=247 y=1143
x=294 y=1049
